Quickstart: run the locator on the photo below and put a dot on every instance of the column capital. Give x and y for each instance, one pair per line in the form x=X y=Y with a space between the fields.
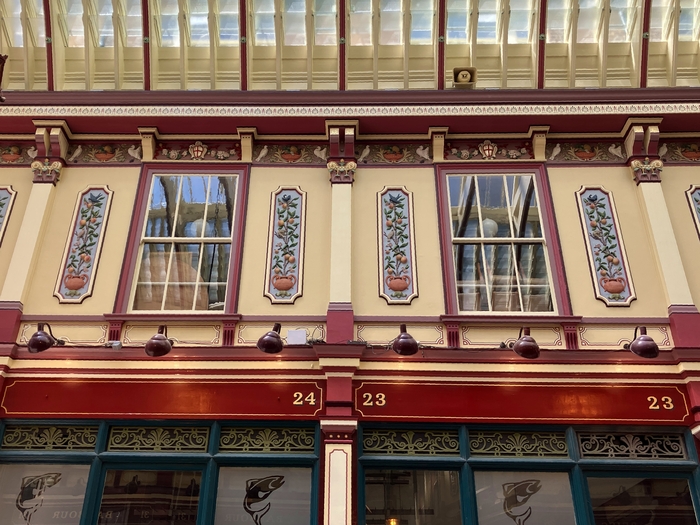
x=646 y=170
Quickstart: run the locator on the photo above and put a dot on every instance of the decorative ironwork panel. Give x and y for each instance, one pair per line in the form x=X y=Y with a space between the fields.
x=7 y=198
x=411 y=443
x=159 y=439
x=79 y=266
x=612 y=281
x=632 y=446
x=41 y=437
x=285 y=257
x=518 y=444
x=271 y=440
x=397 y=265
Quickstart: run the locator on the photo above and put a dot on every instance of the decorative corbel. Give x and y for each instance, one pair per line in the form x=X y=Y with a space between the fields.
x=341 y=160
x=47 y=171
x=647 y=170
x=247 y=137
x=149 y=138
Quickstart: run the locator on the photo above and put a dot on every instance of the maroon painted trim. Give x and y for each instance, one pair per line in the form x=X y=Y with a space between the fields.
x=243 y=43
x=342 y=46
x=10 y=316
x=644 y=62
x=121 y=303
x=50 y=82
x=551 y=234
x=340 y=325
x=504 y=320
x=441 y=30
x=684 y=321
x=625 y=320
x=146 y=25
x=541 y=44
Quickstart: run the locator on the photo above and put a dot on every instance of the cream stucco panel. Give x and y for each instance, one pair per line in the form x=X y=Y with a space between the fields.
x=21 y=181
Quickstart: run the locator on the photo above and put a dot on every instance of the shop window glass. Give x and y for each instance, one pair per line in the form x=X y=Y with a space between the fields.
x=412 y=497
x=267 y=495
x=134 y=497
x=504 y=498
x=498 y=244
x=641 y=501
x=42 y=494
x=186 y=243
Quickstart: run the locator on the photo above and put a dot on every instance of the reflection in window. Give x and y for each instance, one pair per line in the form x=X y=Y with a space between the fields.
x=169 y=28
x=287 y=495
x=641 y=500
x=390 y=23
x=229 y=34
x=186 y=244
x=537 y=497
x=105 y=28
x=457 y=22
x=133 y=497
x=360 y=22
x=74 y=23
x=264 y=18
x=199 y=24
x=324 y=22
x=590 y=14
x=498 y=244
x=294 y=22
x=412 y=497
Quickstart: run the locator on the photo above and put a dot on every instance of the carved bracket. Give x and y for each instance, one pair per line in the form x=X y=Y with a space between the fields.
x=646 y=170
x=48 y=171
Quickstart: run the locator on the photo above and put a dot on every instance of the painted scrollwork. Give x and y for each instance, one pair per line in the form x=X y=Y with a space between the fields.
x=518 y=444
x=411 y=443
x=270 y=440
x=35 y=437
x=632 y=446
x=159 y=439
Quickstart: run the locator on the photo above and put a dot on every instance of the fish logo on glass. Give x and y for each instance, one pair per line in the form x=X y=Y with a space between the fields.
x=257 y=491
x=515 y=495
x=31 y=493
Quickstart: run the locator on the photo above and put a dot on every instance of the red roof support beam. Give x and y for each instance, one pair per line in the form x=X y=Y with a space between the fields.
x=146 y=24
x=442 y=30
x=542 y=43
x=49 y=46
x=243 y=46
x=644 y=59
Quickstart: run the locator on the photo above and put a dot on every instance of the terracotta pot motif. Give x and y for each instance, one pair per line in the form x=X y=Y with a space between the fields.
x=398 y=284
x=614 y=286
x=75 y=282
x=104 y=157
x=10 y=157
x=691 y=154
x=585 y=155
x=284 y=282
x=290 y=157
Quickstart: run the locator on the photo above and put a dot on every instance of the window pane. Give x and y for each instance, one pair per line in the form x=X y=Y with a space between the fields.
x=457 y=22
x=688 y=20
x=324 y=22
x=487 y=22
x=360 y=22
x=74 y=23
x=534 y=281
x=390 y=22
x=412 y=497
x=521 y=16
x=229 y=33
x=244 y=494
x=294 y=22
x=35 y=493
x=660 y=19
x=621 y=19
x=500 y=271
x=36 y=19
x=558 y=17
x=464 y=211
x=192 y=206
x=134 y=27
x=640 y=500
x=220 y=206
x=132 y=497
x=494 y=206
x=161 y=212
x=524 y=210
x=471 y=284
x=170 y=30
x=504 y=498
x=422 y=22
x=264 y=22
x=13 y=22
x=589 y=18
x=199 y=23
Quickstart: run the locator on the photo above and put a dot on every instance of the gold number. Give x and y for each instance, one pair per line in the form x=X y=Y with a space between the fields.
x=298 y=398
x=369 y=400
x=310 y=399
x=667 y=403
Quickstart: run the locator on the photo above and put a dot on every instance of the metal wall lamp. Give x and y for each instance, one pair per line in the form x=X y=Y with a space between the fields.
x=525 y=346
x=271 y=342
x=404 y=344
x=159 y=345
x=643 y=345
x=41 y=341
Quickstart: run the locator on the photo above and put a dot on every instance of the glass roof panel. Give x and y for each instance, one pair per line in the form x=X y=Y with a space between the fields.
x=13 y=22
x=360 y=22
x=558 y=21
x=264 y=22
x=660 y=19
x=622 y=19
x=590 y=13
x=390 y=23
x=229 y=32
x=422 y=16
x=74 y=23
x=199 y=23
x=294 y=23
x=105 y=29
x=134 y=25
x=324 y=23
x=521 y=16
x=688 y=20
x=457 y=22
x=170 y=30
x=487 y=25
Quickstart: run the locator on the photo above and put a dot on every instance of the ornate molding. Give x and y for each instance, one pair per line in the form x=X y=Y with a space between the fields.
x=284 y=274
x=631 y=446
x=518 y=444
x=47 y=171
x=607 y=259
x=268 y=440
x=647 y=170
x=411 y=443
x=79 y=265
x=578 y=152
x=7 y=199
x=158 y=439
x=44 y=437
x=397 y=245
x=341 y=171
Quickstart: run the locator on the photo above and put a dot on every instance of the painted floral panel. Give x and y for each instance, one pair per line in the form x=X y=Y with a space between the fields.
x=693 y=194
x=7 y=198
x=77 y=276
x=606 y=252
x=284 y=274
x=397 y=272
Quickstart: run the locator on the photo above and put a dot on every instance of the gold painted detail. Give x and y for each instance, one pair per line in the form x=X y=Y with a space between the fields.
x=632 y=446
x=271 y=440
x=408 y=442
x=20 y=437
x=159 y=439
x=518 y=444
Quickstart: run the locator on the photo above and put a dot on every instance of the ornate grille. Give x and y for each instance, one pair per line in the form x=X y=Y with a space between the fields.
x=20 y=437
x=518 y=444
x=159 y=439
x=632 y=446
x=271 y=440
x=411 y=443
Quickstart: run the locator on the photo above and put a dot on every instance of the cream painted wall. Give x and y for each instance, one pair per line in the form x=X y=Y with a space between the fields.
x=365 y=275
x=123 y=181
x=675 y=181
x=21 y=181
x=648 y=285
x=264 y=181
